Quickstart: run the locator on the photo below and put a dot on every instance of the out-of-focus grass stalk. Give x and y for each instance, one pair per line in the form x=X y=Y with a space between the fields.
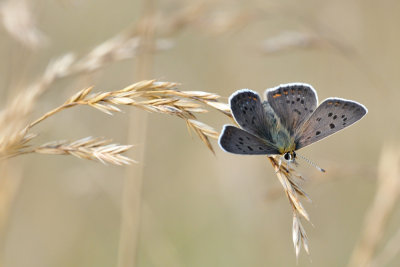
x=391 y=249
x=132 y=188
x=386 y=196
x=10 y=179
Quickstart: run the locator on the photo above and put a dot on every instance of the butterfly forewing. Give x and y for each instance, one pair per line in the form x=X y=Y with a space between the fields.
x=333 y=115
x=293 y=104
x=238 y=141
x=248 y=112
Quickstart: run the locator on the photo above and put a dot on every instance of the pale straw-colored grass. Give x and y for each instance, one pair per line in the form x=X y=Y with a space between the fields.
x=376 y=219
x=90 y=148
x=132 y=200
x=291 y=181
x=10 y=179
x=389 y=251
x=151 y=96
x=13 y=118
x=18 y=20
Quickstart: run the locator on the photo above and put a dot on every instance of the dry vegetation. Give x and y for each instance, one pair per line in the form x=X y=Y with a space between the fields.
x=152 y=96
x=17 y=136
x=375 y=223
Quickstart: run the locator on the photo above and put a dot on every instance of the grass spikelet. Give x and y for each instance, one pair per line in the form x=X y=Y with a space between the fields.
x=287 y=177
x=152 y=96
x=203 y=131
x=90 y=148
x=120 y=47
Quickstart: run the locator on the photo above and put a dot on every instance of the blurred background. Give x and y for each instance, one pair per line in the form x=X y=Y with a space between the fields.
x=194 y=208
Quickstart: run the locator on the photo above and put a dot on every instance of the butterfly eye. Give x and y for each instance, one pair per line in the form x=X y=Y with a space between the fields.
x=286 y=156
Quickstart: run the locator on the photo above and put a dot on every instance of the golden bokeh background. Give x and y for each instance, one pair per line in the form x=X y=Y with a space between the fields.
x=200 y=209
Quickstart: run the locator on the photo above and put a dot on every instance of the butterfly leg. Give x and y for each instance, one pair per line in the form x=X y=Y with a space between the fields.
x=279 y=165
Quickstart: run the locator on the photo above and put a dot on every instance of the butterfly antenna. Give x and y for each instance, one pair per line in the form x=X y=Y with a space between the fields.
x=311 y=163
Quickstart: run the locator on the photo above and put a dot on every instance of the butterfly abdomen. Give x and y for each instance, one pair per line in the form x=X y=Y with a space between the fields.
x=279 y=135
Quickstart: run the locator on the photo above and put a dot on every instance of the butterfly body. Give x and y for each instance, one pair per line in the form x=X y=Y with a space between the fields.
x=286 y=121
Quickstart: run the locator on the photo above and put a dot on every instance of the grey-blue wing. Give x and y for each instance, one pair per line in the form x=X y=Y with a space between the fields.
x=238 y=141
x=293 y=103
x=333 y=115
x=249 y=113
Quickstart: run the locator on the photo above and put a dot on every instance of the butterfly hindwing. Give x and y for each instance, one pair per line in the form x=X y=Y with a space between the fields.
x=331 y=116
x=238 y=141
x=293 y=103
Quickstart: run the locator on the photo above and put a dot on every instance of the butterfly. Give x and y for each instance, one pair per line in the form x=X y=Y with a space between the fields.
x=288 y=120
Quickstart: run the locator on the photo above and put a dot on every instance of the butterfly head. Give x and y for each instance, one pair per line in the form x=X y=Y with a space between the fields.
x=289 y=156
